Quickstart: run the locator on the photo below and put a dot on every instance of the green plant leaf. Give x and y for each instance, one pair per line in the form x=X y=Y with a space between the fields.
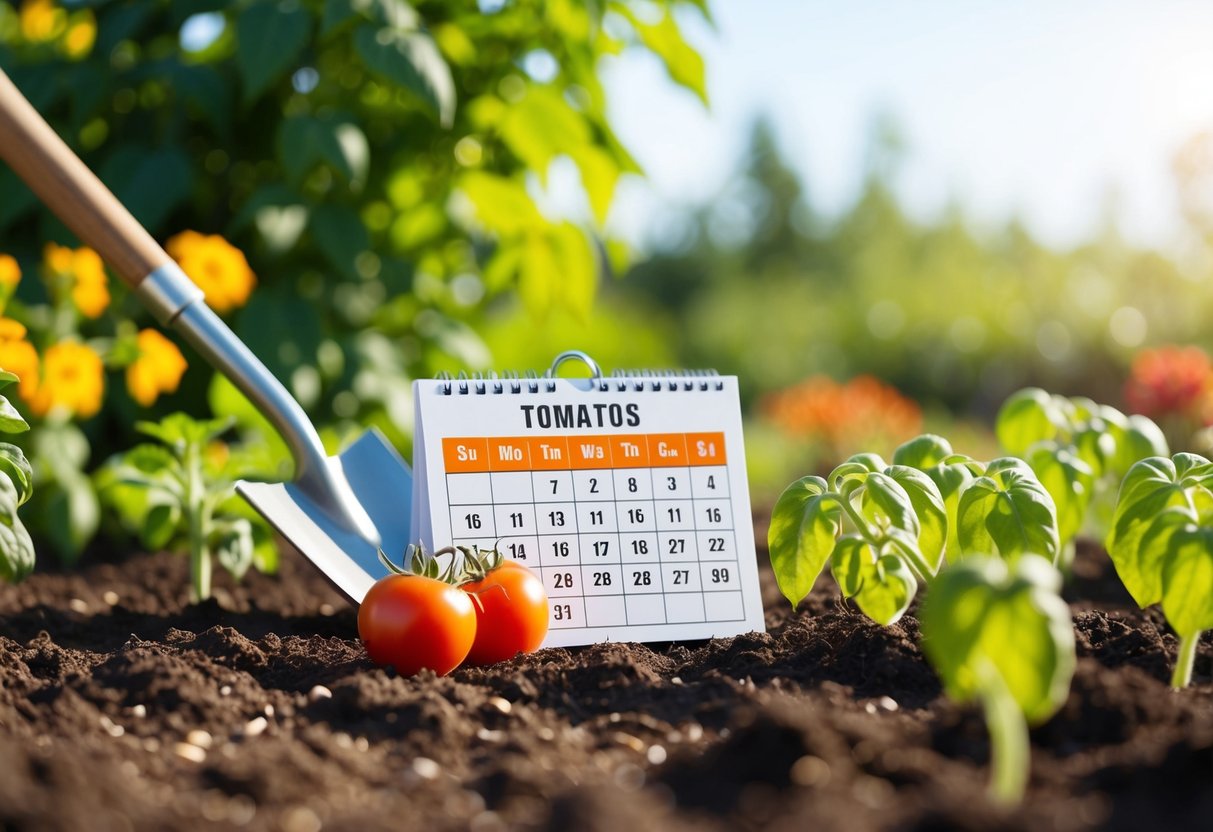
x=411 y=60
x=851 y=556
x=923 y=452
x=1069 y=481
x=233 y=546
x=683 y=63
x=306 y=141
x=340 y=236
x=1142 y=438
x=951 y=480
x=885 y=503
x=801 y=536
x=1187 y=581
x=270 y=36
x=887 y=590
x=18 y=469
x=1027 y=417
x=1007 y=512
x=160 y=524
x=929 y=508
x=501 y=205
x=16 y=548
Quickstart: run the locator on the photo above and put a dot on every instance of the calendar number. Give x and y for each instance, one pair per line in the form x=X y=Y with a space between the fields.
x=682 y=577
x=671 y=483
x=678 y=546
x=562 y=612
x=517 y=551
x=560 y=548
x=516 y=520
x=556 y=518
x=555 y=484
x=564 y=580
x=602 y=579
x=636 y=515
x=633 y=486
x=593 y=485
x=640 y=547
x=644 y=578
x=714 y=515
x=720 y=576
x=602 y=548
x=473 y=521
x=715 y=544
x=675 y=514
x=596 y=518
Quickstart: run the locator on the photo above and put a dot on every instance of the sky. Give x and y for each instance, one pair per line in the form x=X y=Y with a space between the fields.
x=1030 y=109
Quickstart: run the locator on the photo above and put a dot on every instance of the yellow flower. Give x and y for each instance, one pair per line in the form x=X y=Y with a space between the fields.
x=90 y=289
x=216 y=266
x=18 y=356
x=10 y=272
x=157 y=370
x=73 y=378
x=80 y=37
x=41 y=20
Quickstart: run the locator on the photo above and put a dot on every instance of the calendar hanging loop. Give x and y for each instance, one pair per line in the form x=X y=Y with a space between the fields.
x=575 y=355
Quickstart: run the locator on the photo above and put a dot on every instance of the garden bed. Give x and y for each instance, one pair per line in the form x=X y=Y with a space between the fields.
x=122 y=707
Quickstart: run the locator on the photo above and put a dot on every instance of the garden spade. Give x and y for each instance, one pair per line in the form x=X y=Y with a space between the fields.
x=338 y=511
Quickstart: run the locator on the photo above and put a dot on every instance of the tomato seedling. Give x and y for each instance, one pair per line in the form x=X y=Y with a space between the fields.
x=897 y=530
x=417 y=619
x=1000 y=634
x=1161 y=543
x=1079 y=450
x=16 y=485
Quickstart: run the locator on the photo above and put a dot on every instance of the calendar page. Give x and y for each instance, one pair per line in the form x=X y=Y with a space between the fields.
x=628 y=497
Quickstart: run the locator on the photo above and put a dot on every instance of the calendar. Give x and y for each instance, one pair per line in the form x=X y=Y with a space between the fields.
x=626 y=494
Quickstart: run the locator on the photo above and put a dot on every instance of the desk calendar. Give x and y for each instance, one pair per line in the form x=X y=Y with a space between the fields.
x=626 y=494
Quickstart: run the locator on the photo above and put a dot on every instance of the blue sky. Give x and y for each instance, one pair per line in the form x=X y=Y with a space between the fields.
x=1030 y=108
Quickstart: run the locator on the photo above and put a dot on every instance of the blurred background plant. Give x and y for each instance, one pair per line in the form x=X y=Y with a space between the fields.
x=365 y=189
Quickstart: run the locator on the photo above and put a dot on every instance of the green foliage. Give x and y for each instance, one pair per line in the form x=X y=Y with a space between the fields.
x=177 y=493
x=16 y=485
x=898 y=527
x=1007 y=512
x=1080 y=450
x=1000 y=634
x=1161 y=543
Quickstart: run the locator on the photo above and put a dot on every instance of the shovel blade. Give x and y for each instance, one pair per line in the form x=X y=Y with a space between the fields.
x=382 y=483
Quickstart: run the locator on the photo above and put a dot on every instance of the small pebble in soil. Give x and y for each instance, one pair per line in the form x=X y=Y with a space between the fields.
x=888 y=703
x=151 y=745
x=269 y=710
x=327 y=609
x=490 y=736
x=110 y=598
x=139 y=711
x=629 y=777
x=810 y=771
x=78 y=605
x=694 y=732
x=675 y=680
x=186 y=751
x=655 y=755
x=198 y=738
x=870 y=707
x=256 y=727
x=425 y=768
x=300 y=819
x=111 y=728
x=226 y=690
x=501 y=704
x=546 y=734
x=628 y=741
x=241 y=809
x=319 y=692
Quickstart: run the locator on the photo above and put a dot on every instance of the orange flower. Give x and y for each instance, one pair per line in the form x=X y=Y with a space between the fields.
x=18 y=356
x=90 y=289
x=73 y=378
x=218 y=268
x=1169 y=380
x=157 y=370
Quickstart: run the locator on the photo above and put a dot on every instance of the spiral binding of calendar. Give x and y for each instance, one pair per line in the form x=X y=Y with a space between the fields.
x=637 y=381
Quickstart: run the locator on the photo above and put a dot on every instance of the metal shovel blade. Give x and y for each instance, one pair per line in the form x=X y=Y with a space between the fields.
x=382 y=483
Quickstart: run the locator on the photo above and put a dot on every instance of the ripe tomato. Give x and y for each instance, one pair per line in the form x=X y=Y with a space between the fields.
x=413 y=622
x=511 y=613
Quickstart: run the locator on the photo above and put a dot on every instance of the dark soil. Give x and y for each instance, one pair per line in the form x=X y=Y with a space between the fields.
x=121 y=707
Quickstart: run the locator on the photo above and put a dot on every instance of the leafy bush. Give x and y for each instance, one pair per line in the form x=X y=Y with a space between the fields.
x=16 y=484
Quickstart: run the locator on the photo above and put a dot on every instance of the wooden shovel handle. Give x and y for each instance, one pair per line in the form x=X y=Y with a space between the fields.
x=75 y=195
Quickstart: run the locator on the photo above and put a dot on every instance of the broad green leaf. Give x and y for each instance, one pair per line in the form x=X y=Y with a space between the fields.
x=951 y=480
x=981 y=614
x=1187 y=579
x=149 y=183
x=270 y=36
x=578 y=268
x=1027 y=417
x=1069 y=481
x=7 y=378
x=178 y=430
x=801 y=536
x=14 y=464
x=501 y=205
x=305 y=141
x=543 y=126
x=885 y=503
x=159 y=525
x=851 y=556
x=411 y=60
x=923 y=452
x=929 y=508
x=232 y=545
x=599 y=174
x=682 y=62
x=888 y=588
x=1008 y=513
x=1141 y=568
x=538 y=276
x=1142 y=438
x=16 y=549
x=1096 y=448
x=10 y=420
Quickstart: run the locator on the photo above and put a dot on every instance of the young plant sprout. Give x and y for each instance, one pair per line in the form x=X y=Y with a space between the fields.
x=16 y=485
x=178 y=494
x=1162 y=546
x=897 y=527
x=1079 y=450
x=999 y=633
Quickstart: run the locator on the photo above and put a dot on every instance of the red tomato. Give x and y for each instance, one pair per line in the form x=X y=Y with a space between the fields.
x=412 y=622
x=511 y=613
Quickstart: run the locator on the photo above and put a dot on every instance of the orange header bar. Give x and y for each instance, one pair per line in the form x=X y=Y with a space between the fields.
x=667 y=450
x=480 y=454
x=705 y=448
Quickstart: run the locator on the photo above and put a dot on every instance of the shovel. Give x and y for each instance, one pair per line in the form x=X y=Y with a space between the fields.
x=338 y=511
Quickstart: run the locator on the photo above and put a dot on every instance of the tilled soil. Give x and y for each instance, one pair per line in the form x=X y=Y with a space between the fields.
x=122 y=707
